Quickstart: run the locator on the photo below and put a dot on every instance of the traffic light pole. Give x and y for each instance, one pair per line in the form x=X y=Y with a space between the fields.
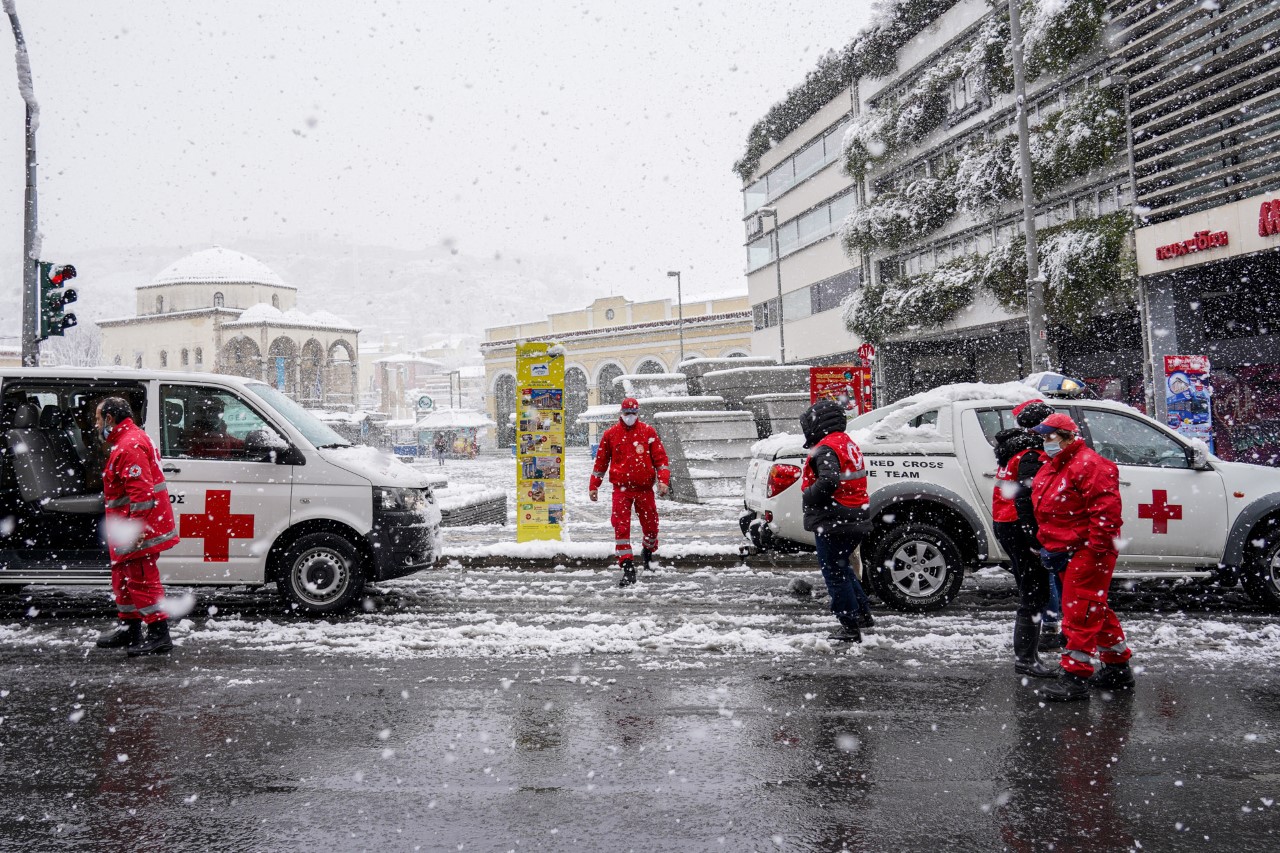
x=30 y=287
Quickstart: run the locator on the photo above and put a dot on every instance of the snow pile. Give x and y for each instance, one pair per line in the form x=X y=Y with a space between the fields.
x=653 y=385
x=269 y=315
x=459 y=495
x=778 y=444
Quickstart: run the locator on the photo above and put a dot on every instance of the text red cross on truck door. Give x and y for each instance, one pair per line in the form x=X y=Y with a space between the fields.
x=1160 y=511
x=217 y=526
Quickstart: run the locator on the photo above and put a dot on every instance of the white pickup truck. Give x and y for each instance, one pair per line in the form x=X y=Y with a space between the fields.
x=931 y=468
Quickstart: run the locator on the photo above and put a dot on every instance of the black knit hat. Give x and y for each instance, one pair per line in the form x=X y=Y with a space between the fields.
x=1031 y=414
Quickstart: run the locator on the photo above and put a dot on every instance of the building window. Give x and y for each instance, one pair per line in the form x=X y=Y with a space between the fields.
x=199 y=355
x=765 y=315
x=116 y=361
x=796 y=305
x=832 y=292
x=608 y=314
x=137 y=361
x=159 y=304
x=275 y=300
x=186 y=357
x=219 y=300
x=164 y=358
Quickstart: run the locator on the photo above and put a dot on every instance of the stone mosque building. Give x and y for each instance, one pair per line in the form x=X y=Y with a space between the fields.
x=221 y=311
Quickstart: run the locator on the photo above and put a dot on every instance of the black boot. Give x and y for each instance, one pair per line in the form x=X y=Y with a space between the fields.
x=1026 y=637
x=628 y=574
x=866 y=621
x=157 y=641
x=1113 y=676
x=128 y=633
x=848 y=632
x=1051 y=638
x=646 y=556
x=1068 y=687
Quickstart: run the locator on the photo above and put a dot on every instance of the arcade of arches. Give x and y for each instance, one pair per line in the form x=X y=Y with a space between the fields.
x=313 y=373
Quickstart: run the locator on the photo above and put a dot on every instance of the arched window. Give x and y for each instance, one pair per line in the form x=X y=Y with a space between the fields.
x=219 y=300
x=275 y=300
x=164 y=358
x=159 y=304
x=117 y=361
x=199 y=355
x=186 y=356
x=137 y=361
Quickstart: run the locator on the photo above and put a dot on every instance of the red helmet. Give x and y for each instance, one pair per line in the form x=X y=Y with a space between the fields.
x=631 y=404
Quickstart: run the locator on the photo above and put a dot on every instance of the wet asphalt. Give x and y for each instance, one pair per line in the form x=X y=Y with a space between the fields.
x=226 y=747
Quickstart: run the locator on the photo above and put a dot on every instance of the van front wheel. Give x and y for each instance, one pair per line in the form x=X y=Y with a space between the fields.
x=321 y=573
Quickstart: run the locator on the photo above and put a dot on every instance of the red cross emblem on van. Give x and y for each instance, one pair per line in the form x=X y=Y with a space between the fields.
x=1160 y=511
x=217 y=526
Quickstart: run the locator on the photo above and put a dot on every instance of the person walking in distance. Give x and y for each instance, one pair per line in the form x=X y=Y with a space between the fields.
x=634 y=458
x=139 y=525
x=835 y=502
x=1076 y=496
x=1019 y=457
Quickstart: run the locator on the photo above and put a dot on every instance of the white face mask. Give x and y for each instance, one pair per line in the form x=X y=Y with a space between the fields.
x=630 y=419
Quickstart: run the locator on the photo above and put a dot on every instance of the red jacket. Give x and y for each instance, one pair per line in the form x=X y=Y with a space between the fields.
x=1077 y=501
x=834 y=484
x=1002 y=506
x=136 y=496
x=633 y=456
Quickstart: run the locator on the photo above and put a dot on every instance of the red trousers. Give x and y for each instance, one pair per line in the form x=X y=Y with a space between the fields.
x=646 y=507
x=136 y=584
x=1088 y=623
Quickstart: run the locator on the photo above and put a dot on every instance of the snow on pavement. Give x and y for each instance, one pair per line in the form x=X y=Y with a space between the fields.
x=672 y=620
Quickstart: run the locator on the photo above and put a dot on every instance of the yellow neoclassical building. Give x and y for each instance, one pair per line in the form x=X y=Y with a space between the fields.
x=611 y=337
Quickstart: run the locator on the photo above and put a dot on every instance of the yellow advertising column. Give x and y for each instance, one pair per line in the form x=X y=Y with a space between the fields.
x=539 y=441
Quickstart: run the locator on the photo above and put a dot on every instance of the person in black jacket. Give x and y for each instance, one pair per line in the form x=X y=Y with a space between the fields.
x=835 y=511
x=1019 y=455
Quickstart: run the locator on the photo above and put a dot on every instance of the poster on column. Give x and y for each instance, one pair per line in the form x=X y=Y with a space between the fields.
x=1188 y=396
x=539 y=441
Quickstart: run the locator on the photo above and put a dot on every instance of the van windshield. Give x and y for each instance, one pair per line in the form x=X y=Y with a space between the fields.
x=312 y=428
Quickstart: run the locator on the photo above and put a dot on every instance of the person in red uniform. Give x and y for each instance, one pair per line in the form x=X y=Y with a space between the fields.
x=835 y=504
x=1019 y=457
x=139 y=525
x=633 y=456
x=1076 y=496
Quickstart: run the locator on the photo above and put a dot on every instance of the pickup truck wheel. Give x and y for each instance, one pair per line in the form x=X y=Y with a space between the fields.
x=321 y=573
x=1262 y=575
x=917 y=567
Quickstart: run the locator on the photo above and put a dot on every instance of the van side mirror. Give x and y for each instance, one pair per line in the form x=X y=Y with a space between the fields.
x=1200 y=456
x=265 y=445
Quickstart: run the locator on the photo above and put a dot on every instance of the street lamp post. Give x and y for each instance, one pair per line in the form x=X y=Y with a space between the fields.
x=1036 y=322
x=777 y=264
x=680 y=309
x=30 y=294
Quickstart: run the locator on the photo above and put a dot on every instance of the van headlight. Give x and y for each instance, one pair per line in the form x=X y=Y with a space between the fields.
x=402 y=500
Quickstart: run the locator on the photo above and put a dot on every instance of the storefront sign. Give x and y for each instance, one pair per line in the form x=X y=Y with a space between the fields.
x=539 y=441
x=848 y=385
x=1188 y=396
x=1202 y=241
x=1269 y=218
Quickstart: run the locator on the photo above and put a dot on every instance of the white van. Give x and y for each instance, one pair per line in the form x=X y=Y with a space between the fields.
x=262 y=490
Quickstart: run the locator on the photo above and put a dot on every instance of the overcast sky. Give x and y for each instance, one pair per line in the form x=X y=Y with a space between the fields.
x=603 y=132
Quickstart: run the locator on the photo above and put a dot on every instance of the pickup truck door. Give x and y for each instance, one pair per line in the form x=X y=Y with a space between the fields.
x=1172 y=513
x=978 y=428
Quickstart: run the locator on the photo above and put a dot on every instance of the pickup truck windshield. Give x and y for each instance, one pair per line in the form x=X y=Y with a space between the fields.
x=314 y=429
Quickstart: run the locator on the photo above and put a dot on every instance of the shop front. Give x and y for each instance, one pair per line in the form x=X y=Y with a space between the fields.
x=1213 y=283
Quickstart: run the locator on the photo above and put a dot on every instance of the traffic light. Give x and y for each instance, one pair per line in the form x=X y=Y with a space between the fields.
x=55 y=296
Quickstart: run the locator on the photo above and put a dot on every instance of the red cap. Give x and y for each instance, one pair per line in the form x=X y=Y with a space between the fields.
x=630 y=404
x=1057 y=422
x=1017 y=410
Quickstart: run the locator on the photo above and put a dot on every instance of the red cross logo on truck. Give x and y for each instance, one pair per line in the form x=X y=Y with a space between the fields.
x=1160 y=511
x=217 y=526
